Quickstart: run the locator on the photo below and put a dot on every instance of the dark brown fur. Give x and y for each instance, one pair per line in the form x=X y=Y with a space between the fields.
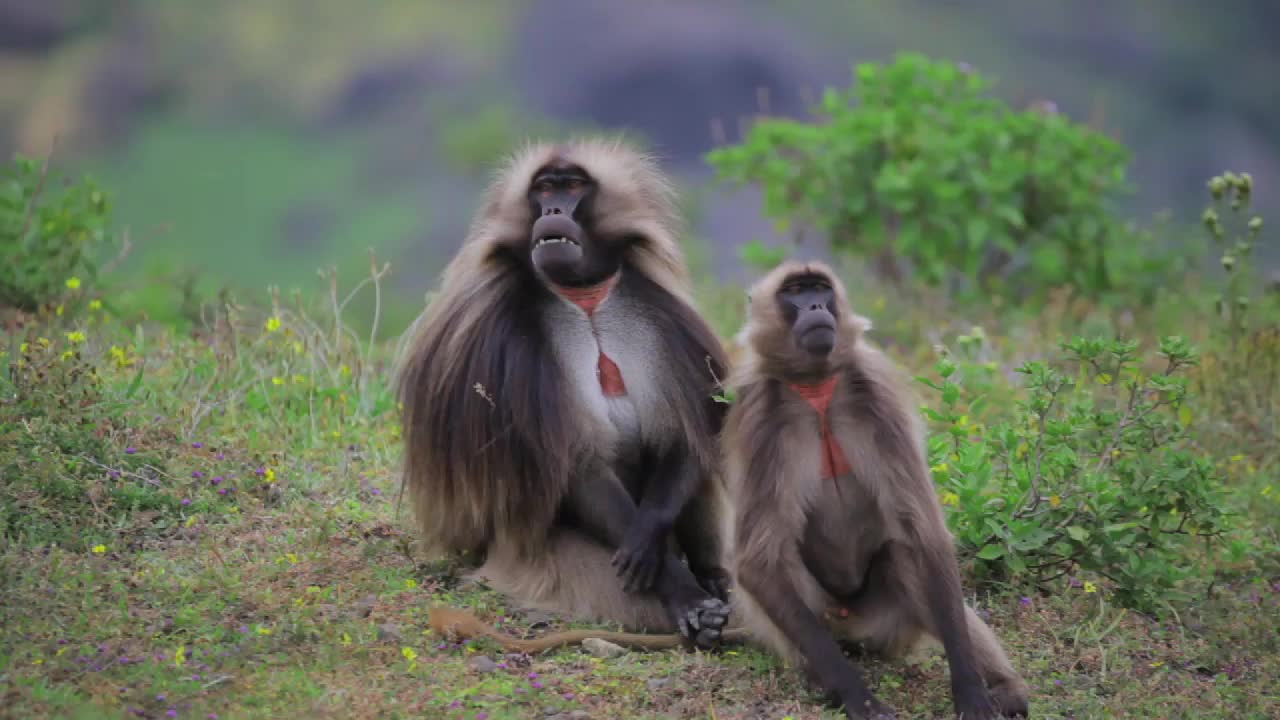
x=498 y=431
x=873 y=541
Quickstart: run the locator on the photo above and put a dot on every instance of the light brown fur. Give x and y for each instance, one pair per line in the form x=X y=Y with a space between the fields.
x=883 y=521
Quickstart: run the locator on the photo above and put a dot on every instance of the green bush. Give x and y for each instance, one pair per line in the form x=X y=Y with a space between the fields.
x=918 y=163
x=50 y=232
x=1095 y=472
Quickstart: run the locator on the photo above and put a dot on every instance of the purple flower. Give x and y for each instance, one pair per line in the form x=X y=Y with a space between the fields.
x=222 y=491
x=160 y=698
x=1026 y=601
x=482 y=715
x=375 y=491
x=243 y=629
x=568 y=696
x=197 y=445
x=533 y=676
x=455 y=704
x=171 y=713
x=186 y=501
x=130 y=451
x=215 y=480
x=220 y=456
x=114 y=473
x=536 y=685
x=212 y=716
x=261 y=471
x=197 y=474
x=195 y=678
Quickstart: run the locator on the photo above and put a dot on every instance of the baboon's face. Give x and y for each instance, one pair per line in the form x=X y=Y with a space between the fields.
x=563 y=247
x=808 y=305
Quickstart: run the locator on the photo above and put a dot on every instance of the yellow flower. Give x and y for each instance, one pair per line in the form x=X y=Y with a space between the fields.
x=270 y=475
x=24 y=347
x=1089 y=587
x=58 y=311
x=297 y=347
x=180 y=657
x=277 y=381
x=299 y=379
x=263 y=631
x=1104 y=379
x=73 y=283
x=99 y=549
x=345 y=370
x=66 y=354
x=95 y=304
x=1055 y=501
x=44 y=341
x=950 y=498
x=410 y=584
x=1266 y=491
x=346 y=639
x=273 y=324
x=409 y=653
x=75 y=336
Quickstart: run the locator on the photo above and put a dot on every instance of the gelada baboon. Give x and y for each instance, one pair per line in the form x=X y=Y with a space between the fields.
x=558 y=410
x=832 y=506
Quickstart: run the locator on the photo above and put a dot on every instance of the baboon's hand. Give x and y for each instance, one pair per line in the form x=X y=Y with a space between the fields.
x=715 y=581
x=862 y=705
x=639 y=559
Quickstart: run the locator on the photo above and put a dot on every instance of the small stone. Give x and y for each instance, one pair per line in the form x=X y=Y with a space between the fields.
x=389 y=633
x=537 y=618
x=579 y=715
x=656 y=684
x=482 y=664
x=603 y=648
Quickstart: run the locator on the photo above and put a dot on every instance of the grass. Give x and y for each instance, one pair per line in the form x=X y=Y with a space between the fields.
x=206 y=525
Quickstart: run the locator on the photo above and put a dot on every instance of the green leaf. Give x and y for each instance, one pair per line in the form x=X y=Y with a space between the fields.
x=991 y=552
x=1077 y=533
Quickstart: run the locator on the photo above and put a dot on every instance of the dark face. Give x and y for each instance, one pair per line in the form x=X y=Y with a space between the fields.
x=808 y=305
x=562 y=245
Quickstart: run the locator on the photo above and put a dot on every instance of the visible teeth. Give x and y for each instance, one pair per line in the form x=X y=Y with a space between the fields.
x=545 y=241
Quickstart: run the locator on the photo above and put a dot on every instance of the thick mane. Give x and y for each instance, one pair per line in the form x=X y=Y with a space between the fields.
x=489 y=429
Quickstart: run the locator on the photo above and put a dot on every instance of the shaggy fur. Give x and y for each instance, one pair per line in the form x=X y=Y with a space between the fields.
x=501 y=412
x=872 y=541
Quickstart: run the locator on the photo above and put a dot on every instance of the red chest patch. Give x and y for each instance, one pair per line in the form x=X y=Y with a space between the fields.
x=589 y=298
x=818 y=395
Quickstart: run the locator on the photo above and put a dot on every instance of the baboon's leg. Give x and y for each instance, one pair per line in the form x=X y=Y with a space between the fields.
x=604 y=511
x=572 y=577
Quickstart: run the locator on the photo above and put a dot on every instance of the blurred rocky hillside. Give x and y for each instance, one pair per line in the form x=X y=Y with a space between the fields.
x=257 y=140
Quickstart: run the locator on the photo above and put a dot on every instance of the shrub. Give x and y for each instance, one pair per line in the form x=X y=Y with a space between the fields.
x=1095 y=471
x=48 y=234
x=918 y=163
